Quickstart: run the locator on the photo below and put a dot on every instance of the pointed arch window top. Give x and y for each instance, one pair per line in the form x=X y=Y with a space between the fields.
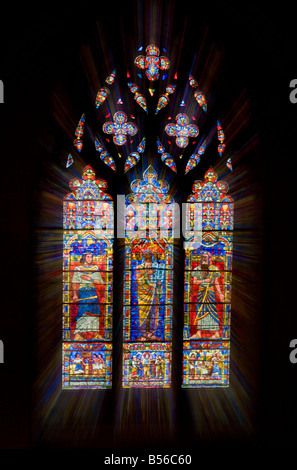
x=210 y=189
x=89 y=206
x=150 y=189
x=88 y=187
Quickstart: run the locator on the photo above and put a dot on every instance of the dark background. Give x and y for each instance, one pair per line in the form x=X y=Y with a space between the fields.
x=40 y=49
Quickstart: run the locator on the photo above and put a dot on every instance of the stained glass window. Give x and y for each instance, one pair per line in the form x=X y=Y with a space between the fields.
x=149 y=224
x=87 y=284
x=147 y=319
x=208 y=271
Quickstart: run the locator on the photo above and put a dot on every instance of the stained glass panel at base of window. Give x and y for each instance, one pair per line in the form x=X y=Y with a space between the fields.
x=146 y=365
x=206 y=364
x=87 y=366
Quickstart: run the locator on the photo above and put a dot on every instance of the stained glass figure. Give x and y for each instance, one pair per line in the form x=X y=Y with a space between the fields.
x=208 y=271
x=164 y=99
x=120 y=128
x=229 y=164
x=201 y=100
x=182 y=130
x=152 y=62
x=101 y=96
x=87 y=281
x=148 y=282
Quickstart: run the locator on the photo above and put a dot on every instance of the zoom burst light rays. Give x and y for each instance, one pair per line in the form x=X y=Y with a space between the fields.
x=212 y=412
